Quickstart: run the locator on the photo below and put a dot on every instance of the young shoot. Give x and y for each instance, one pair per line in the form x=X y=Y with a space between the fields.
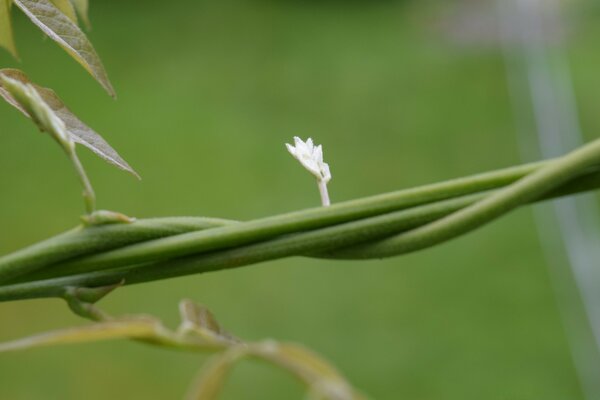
x=311 y=158
x=50 y=115
x=47 y=121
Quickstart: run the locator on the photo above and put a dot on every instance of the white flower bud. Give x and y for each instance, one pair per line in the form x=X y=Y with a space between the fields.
x=311 y=158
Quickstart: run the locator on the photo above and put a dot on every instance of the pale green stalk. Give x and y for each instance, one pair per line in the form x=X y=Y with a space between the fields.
x=89 y=197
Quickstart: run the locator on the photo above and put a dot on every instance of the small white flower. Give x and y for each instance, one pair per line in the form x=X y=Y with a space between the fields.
x=311 y=158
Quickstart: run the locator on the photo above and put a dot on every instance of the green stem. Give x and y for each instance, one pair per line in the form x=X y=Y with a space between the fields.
x=320 y=240
x=89 y=197
x=414 y=219
x=311 y=241
x=82 y=241
x=493 y=206
x=134 y=244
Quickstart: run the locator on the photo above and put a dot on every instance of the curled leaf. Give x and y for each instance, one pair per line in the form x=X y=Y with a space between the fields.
x=76 y=130
x=6 y=33
x=81 y=300
x=67 y=34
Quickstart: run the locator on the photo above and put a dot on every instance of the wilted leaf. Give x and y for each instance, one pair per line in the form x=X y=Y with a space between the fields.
x=66 y=7
x=6 y=35
x=323 y=380
x=78 y=132
x=68 y=35
x=82 y=9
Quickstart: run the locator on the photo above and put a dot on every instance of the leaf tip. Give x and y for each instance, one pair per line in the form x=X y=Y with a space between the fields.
x=12 y=50
x=135 y=174
x=108 y=88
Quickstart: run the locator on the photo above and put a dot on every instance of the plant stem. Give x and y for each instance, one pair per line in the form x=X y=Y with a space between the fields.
x=493 y=206
x=89 y=197
x=311 y=242
x=324 y=193
x=82 y=241
x=148 y=240
x=375 y=227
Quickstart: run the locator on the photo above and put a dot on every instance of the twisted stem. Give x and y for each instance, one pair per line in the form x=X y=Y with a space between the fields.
x=373 y=227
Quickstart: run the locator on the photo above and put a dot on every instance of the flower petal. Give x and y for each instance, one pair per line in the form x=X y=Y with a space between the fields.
x=291 y=149
x=310 y=146
x=318 y=154
x=325 y=172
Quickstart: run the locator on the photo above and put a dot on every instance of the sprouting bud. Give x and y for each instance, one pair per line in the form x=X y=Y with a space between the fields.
x=104 y=217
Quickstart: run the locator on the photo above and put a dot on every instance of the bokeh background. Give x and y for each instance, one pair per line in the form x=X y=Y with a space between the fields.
x=400 y=93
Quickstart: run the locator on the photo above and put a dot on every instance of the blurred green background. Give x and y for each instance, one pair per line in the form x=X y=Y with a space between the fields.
x=209 y=91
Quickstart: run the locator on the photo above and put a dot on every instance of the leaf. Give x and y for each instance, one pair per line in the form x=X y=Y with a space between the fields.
x=81 y=6
x=43 y=116
x=198 y=316
x=78 y=132
x=66 y=7
x=68 y=35
x=322 y=379
x=197 y=320
x=6 y=34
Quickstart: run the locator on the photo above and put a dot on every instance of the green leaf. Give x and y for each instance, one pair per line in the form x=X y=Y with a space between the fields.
x=6 y=35
x=66 y=7
x=68 y=35
x=82 y=6
x=81 y=300
x=76 y=130
x=32 y=103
